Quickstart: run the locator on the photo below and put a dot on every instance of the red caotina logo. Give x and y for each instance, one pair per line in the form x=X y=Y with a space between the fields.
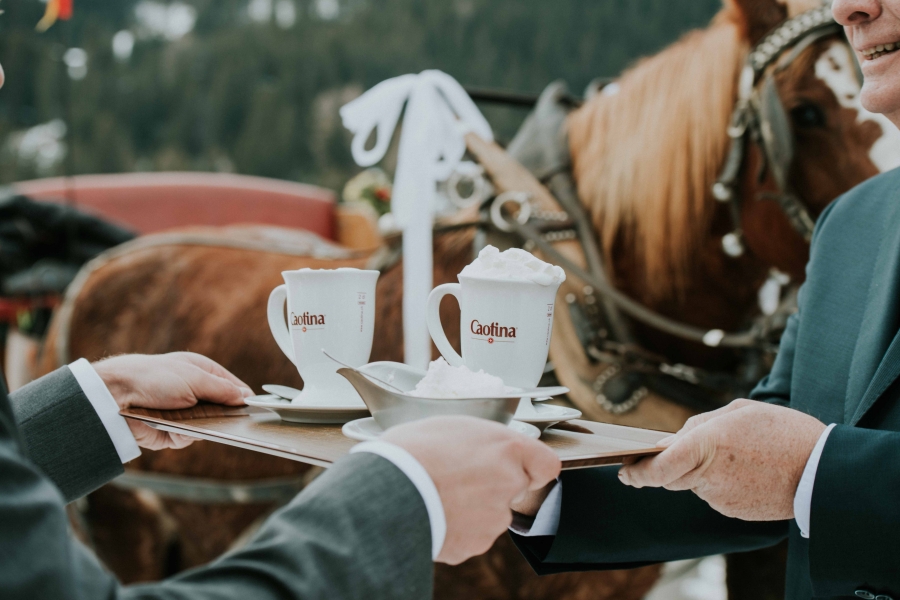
x=307 y=321
x=493 y=331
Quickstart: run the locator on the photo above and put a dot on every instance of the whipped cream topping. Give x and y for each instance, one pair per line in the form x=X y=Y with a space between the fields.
x=444 y=381
x=513 y=265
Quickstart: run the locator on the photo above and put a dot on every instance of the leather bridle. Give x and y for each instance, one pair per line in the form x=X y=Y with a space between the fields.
x=759 y=116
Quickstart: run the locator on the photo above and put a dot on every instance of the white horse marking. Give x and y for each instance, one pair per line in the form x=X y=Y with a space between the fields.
x=835 y=67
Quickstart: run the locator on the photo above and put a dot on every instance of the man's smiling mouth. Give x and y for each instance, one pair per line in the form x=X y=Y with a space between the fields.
x=879 y=50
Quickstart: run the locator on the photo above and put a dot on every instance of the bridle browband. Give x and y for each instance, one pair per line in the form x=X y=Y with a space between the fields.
x=759 y=116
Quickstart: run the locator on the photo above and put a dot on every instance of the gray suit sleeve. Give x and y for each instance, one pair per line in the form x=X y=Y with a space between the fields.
x=360 y=531
x=63 y=435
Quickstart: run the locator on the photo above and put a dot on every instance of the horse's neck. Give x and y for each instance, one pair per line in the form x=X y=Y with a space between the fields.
x=721 y=293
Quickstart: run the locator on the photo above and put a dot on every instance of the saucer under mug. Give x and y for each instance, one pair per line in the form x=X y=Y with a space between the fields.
x=307 y=414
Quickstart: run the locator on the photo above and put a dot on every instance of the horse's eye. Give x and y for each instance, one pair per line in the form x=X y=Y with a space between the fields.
x=808 y=115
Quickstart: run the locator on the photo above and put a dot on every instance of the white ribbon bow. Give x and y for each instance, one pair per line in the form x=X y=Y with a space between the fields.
x=439 y=113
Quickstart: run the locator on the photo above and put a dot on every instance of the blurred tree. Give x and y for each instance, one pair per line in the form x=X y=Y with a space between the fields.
x=254 y=85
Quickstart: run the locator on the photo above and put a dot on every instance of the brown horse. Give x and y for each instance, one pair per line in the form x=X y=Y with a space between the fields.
x=644 y=161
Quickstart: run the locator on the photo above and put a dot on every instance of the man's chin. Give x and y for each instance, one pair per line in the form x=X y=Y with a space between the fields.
x=880 y=98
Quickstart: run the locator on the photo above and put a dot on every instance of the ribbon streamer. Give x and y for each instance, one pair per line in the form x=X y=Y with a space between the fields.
x=439 y=113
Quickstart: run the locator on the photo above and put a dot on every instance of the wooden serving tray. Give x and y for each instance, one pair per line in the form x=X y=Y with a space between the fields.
x=580 y=444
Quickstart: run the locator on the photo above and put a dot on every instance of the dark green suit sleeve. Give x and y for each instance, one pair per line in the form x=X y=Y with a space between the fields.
x=855 y=515
x=63 y=435
x=360 y=531
x=605 y=524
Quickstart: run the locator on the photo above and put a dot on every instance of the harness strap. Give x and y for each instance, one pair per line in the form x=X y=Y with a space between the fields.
x=753 y=338
x=541 y=149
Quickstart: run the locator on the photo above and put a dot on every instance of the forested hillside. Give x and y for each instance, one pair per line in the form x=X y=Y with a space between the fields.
x=253 y=86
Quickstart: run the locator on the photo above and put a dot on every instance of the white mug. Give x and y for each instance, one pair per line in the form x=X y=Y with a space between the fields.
x=327 y=309
x=505 y=327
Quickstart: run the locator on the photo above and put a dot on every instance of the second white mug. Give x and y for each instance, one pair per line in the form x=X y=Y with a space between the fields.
x=505 y=327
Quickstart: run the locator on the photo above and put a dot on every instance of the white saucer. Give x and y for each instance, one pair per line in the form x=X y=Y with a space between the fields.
x=546 y=415
x=367 y=429
x=299 y=413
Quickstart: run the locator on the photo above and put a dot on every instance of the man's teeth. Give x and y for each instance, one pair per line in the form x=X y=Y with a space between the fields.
x=879 y=50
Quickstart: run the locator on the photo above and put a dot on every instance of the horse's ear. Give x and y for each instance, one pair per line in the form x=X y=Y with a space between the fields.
x=757 y=17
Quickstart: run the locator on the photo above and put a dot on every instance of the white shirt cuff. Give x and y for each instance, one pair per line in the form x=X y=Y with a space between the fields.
x=107 y=409
x=803 y=495
x=420 y=478
x=546 y=521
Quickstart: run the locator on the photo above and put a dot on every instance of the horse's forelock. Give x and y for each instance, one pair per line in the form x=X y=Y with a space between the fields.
x=646 y=157
x=755 y=18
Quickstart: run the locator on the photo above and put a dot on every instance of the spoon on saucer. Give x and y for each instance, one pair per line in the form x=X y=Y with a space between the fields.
x=282 y=391
x=373 y=378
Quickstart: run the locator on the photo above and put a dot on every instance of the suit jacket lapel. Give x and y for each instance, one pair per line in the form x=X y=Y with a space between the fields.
x=876 y=360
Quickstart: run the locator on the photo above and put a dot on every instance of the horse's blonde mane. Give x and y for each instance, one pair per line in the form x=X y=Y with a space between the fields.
x=646 y=157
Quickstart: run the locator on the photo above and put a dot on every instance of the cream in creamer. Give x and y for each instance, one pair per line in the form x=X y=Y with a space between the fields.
x=444 y=381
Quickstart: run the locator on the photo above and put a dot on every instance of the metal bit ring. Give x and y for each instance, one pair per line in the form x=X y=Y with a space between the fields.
x=520 y=198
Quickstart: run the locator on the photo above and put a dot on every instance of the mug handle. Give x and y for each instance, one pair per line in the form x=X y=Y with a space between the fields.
x=277 y=324
x=433 y=319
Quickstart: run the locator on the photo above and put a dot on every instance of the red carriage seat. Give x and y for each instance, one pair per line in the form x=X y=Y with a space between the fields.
x=149 y=202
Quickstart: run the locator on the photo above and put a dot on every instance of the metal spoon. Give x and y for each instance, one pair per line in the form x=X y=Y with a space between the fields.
x=364 y=374
x=283 y=391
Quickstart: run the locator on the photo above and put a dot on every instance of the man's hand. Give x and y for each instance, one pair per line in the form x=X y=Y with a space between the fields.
x=530 y=502
x=168 y=382
x=478 y=467
x=745 y=459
